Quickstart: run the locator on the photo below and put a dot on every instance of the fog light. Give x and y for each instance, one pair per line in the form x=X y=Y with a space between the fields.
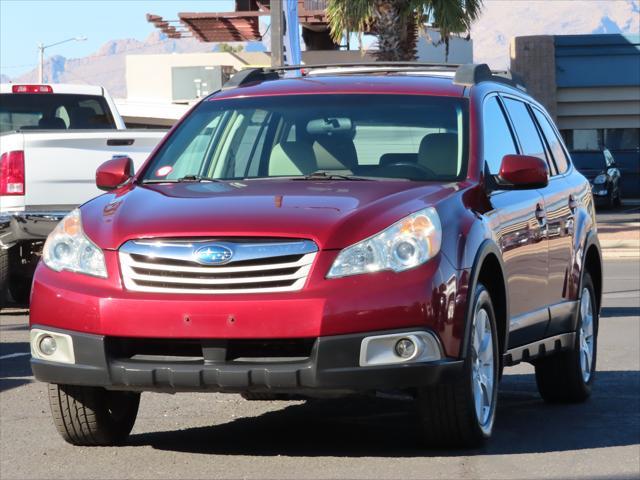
x=48 y=345
x=405 y=348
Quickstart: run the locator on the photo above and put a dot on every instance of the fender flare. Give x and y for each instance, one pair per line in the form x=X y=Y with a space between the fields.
x=486 y=248
x=591 y=239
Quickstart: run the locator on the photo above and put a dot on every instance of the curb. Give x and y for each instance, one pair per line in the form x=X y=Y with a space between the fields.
x=622 y=253
x=626 y=243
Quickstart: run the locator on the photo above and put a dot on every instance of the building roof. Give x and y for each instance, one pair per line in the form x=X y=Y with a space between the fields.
x=243 y=25
x=349 y=84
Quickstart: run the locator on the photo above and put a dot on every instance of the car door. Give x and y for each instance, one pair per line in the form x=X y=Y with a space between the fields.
x=560 y=205
x=563 y=196
x=521 y=234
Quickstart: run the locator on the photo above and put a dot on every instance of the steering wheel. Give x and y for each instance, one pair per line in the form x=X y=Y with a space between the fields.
x=416 y=166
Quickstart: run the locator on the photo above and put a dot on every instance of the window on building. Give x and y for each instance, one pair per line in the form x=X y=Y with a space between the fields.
x=498 y=140
x=622 y=138
x=614 y=139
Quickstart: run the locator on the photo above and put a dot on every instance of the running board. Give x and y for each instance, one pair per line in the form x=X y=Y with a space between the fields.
x=540 y=348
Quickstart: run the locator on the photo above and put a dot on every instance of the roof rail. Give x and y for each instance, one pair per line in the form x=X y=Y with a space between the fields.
x=467 y=75
x=473 y=73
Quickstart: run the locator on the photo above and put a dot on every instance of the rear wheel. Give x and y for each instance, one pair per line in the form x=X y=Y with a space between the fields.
x=567 y=376
x=90 y=416
x=461 y=414
x=4 y=276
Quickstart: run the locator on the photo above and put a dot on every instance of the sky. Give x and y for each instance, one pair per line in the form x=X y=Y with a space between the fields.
x=25 y=23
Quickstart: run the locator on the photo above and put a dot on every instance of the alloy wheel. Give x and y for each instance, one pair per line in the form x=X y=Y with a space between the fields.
x=585 y=335
x=482 y=367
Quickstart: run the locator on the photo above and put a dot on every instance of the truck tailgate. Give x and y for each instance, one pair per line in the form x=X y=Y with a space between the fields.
x=60 y=167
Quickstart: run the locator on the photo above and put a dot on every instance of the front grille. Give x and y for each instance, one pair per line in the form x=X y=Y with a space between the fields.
x=254 y=266
x=205 y=350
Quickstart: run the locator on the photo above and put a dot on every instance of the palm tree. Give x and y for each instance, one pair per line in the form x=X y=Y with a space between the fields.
x=395 y=22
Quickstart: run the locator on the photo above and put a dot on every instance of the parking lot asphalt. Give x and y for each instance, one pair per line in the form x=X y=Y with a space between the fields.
x=223 y=436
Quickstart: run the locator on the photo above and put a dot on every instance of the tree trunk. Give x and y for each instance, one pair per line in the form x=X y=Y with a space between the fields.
x=394 y=23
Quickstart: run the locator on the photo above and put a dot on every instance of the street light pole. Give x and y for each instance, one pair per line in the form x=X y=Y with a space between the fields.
x=42 y=48
x=41 y=63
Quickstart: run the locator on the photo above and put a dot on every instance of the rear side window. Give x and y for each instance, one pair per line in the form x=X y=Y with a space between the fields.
x=497 y=139
x=58 y=111
x=525 y=129
x=557 y=151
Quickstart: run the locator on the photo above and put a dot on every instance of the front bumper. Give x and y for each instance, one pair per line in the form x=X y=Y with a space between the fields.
x=432 y=297
x=332 y=366
x=35 y=224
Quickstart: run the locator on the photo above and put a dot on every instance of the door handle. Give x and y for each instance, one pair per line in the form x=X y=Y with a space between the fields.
x=573 y=206
x=541 y=217
x=120 y=142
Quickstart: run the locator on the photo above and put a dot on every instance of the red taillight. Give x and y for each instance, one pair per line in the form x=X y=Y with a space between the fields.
x=12 y=173
x=32 y=89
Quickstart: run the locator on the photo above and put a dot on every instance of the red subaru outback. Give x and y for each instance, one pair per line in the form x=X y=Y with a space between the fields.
x=353 y=230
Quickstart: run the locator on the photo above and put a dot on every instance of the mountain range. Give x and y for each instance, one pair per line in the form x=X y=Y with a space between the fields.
x=500 y=21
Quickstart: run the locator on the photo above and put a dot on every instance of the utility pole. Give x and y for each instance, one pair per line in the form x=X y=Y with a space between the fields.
x=41 y=63
x=277 y=59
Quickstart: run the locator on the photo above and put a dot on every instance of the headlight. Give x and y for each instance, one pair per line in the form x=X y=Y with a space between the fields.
x=68 y=248
x=405 y=244
x=600 y=179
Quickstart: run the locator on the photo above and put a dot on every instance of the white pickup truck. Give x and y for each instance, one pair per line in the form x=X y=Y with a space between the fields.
x=52 y=139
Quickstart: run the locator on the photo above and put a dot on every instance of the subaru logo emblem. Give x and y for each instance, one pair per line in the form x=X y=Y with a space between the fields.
x=213 y=255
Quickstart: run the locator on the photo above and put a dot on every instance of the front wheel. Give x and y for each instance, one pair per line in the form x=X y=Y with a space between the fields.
x=462 y=414
x=567 y=377
x=92 y=416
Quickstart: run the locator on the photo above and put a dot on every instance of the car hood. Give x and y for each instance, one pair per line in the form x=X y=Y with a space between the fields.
x=332 y=213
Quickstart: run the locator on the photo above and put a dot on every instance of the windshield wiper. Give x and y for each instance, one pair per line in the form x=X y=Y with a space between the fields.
x=185 y=179
x=324 y=175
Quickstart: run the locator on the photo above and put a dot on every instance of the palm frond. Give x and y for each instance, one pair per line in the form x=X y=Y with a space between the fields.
x=348 y=16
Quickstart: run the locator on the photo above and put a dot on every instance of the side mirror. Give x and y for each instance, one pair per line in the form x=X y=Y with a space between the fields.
x=113 y=173
x=521 y=172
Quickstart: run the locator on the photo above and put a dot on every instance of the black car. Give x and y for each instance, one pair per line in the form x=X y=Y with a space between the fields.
x=600 y=169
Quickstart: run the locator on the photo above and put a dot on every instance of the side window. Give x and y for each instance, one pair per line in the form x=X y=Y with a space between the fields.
x=497 y=139
x=553 y=141
x=525 y=129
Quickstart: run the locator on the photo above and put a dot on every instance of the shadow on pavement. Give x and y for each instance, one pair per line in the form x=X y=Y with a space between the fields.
x=357 y=427
x=14 y=366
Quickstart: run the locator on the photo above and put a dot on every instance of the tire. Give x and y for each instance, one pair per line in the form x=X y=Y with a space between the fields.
x=563 y=377
x=4 y=276
x=20 y=289
x=449 y=415
x=92 y=416
x=610 y=202
x=618 y=201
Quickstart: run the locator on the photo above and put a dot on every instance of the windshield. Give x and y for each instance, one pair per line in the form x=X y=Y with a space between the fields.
x=588 y=160
x=59 y=111
x=330 y=136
